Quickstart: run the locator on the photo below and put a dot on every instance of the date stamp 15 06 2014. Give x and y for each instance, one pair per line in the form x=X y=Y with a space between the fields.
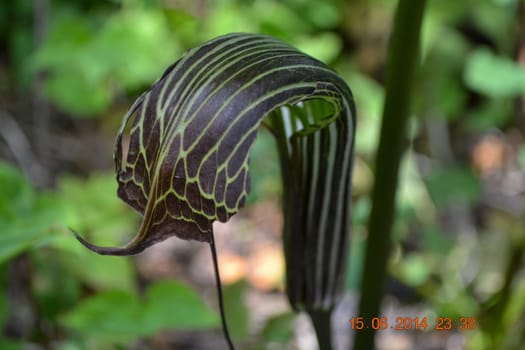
x=413 y=323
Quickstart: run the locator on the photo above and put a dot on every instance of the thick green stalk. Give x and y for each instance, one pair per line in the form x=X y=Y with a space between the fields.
x=401 y=66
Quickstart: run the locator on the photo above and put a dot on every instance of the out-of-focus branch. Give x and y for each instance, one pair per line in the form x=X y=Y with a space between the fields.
x=23 y=314
x=20 y=147
x=40 y=105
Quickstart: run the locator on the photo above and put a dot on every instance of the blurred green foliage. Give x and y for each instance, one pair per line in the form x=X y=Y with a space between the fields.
x=119 y=316
x=459 y=232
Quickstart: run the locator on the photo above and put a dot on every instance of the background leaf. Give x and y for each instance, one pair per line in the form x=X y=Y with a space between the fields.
x=121 y=316
x=113 y=315
x=279 y=329
x=236 y=310
x=26 y=218
x=493 y=75
x=464 y=182
x=175 y=305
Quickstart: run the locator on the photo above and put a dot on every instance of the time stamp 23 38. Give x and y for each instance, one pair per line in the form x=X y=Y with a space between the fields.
x=413 y=323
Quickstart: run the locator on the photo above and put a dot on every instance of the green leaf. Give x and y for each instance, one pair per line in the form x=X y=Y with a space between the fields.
x=27 y=217
x=448 y=185
x=133 y=33
x=175 y=305
x=495 y=19
x=74 y=92
x=436 y=240
x=4 y=305
x=54 y=289
x=71 y=345
x=521 y=156
x=325 y=46
x=325 y=14
x=493 y=75
x=92 y=206
x=415 y=269
x=236 y=310
x=15 y=241
x=265 y=168
x=227 y=17
x=277 y=18
x=120 y=316
x=369 y=96
x=99 y=272
x=12 y=345
x=95 y=65
x=112 y=315
x=16 y=194
x=279 y=329
x=355 y=262
x=493 y=113
x=68 y=34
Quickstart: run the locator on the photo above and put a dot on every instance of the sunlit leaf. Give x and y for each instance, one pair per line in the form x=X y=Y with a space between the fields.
x=14 y=241
x=94 y=62
x=103 y=272
x=99 y=211
x=74 y=92
x=326 y=46
x=175 y=305
x=369 y=96
x=494 y=75
x=120 y=316
x=115 y=315
x=265 y=171
x=415 y=269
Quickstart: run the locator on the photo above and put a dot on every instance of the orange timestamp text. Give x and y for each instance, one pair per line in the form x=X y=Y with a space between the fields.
x=413 y=323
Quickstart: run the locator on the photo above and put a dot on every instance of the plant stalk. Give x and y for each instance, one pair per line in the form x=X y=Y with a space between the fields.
x=219 y=293
x=401 y=67
x=322 y=322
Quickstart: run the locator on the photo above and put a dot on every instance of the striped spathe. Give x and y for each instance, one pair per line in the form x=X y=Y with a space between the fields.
x=190 y=137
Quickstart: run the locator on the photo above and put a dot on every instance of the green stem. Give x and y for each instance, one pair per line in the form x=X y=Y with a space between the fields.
x=322 y=322
x=401 y=66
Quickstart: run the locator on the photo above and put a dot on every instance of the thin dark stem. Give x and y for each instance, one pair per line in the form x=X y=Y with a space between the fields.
x=401 y=67
x=322 y=324
x=219 y=293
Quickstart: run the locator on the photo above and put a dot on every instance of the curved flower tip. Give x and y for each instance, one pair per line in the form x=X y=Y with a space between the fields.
x=119 y=251
x=149 y=235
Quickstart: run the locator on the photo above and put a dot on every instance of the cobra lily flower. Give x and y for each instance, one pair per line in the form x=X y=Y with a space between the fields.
x=190 y=139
